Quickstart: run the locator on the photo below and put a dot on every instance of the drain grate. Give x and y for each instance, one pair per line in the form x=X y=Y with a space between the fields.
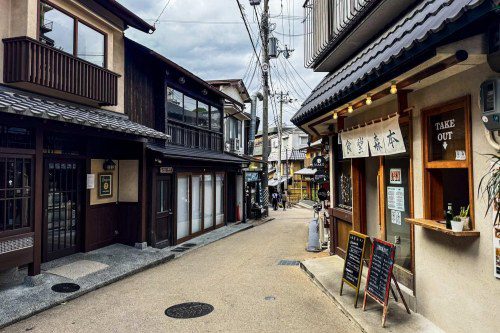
x=180 y=249
x=285 y=262
x=189 y=244
x=189 y=310
x=65 y=287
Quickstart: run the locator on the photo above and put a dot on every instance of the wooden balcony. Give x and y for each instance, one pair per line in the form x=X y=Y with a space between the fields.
x=29 y=61
x=194 y=137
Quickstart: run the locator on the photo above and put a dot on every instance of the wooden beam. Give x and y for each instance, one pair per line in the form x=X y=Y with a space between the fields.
x=34 y=267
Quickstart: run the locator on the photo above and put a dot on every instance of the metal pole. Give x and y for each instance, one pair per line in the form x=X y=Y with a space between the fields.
x=265 y=102
x=280 y=138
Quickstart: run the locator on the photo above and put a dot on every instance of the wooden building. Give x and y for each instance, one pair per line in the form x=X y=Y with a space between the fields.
x=421 y=79
x=71 y=162
x=191 y=180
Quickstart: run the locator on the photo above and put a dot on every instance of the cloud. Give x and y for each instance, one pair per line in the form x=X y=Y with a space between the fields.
x=189 y=35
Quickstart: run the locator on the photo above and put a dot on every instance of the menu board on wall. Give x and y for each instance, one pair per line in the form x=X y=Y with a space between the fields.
x=396 y=198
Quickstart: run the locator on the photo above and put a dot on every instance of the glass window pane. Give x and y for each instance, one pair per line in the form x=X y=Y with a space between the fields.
x=343 y=185
x=56 y=28
x=215 y=117
x=208 y=202
x=189 y=110
x=447 y=136
x=182 y=207
x=197 y=199
x=219 y=198
x=203 y=115
x=175 y=107
x=90 y=45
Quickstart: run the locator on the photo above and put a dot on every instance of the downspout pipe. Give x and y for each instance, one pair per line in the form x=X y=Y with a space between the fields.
x=253 y=121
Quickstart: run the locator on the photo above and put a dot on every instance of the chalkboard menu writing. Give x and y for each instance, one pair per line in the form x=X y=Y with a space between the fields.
x=380 y=270
x=353 y=259
x=353 y=264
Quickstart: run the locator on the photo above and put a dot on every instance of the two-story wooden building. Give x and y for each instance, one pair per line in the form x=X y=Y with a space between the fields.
x=192 y=182
x=409 y=104
x=71 y=162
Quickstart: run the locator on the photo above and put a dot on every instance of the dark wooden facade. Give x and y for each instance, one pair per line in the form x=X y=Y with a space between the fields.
x=147 y=76
x=30 y=62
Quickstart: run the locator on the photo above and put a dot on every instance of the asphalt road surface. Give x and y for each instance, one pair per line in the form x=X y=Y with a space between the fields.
x=235 y=275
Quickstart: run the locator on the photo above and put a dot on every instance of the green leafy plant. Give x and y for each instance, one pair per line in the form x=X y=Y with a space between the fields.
x=490 y=185
x=464 y=212
x=457 y=219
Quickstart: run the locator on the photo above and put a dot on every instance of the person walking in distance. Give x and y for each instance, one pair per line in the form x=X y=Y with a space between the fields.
x=284 y=199
x=275 y=200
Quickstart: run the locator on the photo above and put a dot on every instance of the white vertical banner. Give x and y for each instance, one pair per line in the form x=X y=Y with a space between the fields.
x=375 y=134
x=347 y=144
x=360 y=142
x=393 y=139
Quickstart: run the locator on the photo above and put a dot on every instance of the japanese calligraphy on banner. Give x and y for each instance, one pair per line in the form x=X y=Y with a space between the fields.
x=382 y=138
x=393 y=139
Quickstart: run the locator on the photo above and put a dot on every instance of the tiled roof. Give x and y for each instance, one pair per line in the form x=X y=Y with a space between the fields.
x=293 y=155
x=426 y=19
x=31 y=105
x=187 y=153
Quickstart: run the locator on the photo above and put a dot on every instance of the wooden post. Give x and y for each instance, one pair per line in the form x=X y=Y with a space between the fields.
x=35 y=266
x=143 y=195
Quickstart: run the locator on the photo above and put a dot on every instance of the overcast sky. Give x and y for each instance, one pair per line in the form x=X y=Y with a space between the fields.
x=208 y=38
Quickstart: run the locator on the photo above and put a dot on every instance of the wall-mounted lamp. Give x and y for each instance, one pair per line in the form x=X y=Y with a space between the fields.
x=394 y=88
x=204 y=92
x=335 y=115
x=350 y=108
x=182 y=80
x=369 y=99
x=109 y=165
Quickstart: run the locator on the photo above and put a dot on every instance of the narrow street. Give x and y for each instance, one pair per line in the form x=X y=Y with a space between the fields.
x=235 y=275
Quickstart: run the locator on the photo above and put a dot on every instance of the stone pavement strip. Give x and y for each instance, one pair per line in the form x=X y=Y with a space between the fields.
x=105 y=266
x=326 y=274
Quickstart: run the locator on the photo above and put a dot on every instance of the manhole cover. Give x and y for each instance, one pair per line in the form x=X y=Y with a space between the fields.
x=65 y=287
x=289 y=262
x=189 y=310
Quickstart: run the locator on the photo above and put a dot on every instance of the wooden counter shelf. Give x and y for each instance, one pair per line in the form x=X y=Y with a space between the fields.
x=436 y=226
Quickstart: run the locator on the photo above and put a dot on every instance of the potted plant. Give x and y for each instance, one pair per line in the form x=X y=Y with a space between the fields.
x=490 y=186
x=457 y=224
x=464 y=216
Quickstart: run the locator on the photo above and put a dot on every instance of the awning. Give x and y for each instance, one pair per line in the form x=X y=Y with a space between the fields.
x=422 y=29
x=276 y=182
x=32 y=105
x=306 y=172
x=186 y=153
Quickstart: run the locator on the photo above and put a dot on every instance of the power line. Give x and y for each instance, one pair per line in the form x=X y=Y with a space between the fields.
x=300 y=76
x=248 y=31
x=161 y=13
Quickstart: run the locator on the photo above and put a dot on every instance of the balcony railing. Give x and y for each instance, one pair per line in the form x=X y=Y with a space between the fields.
x=194 y=138
x=327 y=20
x=29 y=61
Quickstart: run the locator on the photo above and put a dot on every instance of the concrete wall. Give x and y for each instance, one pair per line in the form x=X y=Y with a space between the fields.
x=455 y=286
x=19 y=18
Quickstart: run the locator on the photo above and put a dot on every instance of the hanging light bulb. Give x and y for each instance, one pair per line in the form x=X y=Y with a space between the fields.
x=350 y=109
x=394 y=88
x=369 y=99
x=335 y=115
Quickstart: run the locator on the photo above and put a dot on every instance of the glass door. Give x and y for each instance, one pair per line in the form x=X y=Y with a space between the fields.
x=163 y=211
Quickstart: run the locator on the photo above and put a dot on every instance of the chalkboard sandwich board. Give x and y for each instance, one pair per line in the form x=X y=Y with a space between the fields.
x=353 y=264
x=380 y=275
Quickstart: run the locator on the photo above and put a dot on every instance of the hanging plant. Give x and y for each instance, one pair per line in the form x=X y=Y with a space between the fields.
x=490 y=186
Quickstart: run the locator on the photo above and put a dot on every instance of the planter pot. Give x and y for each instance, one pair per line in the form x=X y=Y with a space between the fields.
x=457 y=226
x=466 y=222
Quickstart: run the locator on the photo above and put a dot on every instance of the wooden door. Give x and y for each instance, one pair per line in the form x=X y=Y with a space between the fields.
x=163 y=211
x=63 y=188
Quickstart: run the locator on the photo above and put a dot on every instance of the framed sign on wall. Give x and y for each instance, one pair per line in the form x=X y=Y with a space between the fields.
x=105 y=185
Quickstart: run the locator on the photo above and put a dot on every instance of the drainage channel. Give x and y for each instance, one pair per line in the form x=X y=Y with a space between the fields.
x=65 y=288
x=189 y=310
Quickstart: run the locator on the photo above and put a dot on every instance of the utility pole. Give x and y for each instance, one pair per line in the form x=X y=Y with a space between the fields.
x=282 y=98
x=265 y=103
